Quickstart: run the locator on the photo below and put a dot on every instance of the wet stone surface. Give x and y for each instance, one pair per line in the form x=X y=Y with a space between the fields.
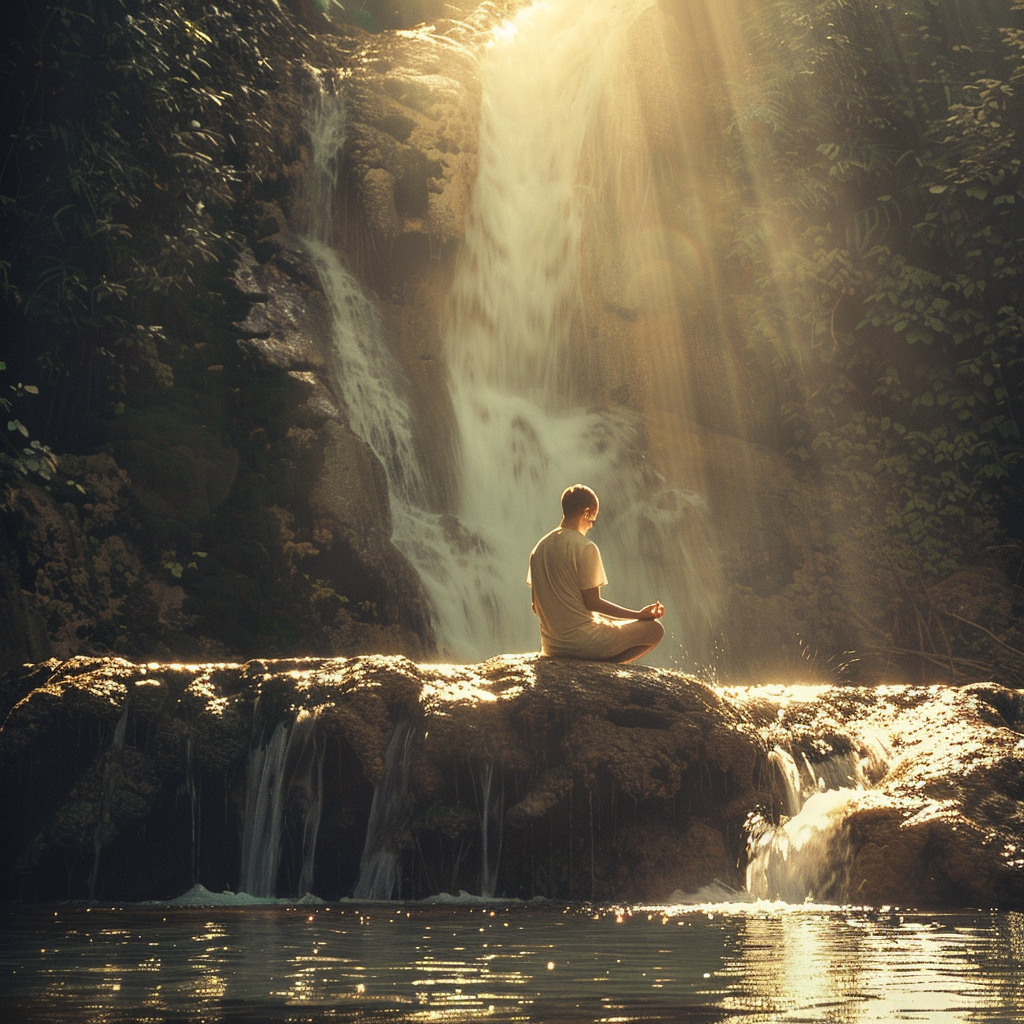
x=522 y=776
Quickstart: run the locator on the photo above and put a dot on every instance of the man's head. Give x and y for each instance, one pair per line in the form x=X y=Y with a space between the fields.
x=577 y=499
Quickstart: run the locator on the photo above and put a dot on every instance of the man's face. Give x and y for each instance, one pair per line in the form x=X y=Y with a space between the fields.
x=589 y=518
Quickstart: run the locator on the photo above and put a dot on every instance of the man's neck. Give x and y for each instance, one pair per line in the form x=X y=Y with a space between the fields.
x=578 y=523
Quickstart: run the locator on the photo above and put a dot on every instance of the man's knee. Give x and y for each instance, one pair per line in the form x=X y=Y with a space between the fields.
x=652 y=632
x=656 y=631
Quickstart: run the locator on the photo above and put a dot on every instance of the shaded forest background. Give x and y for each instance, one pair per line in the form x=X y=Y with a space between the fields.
x=872 y=260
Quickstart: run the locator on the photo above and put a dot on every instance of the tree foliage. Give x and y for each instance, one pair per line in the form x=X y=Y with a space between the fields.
x=887 y=139
x=139 y=136
x=134 y=129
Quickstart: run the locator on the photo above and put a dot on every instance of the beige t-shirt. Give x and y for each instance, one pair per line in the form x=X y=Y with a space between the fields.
x=562 y=564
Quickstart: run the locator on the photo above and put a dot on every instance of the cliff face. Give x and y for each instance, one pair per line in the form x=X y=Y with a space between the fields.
x=218 y=502
x=519 y=777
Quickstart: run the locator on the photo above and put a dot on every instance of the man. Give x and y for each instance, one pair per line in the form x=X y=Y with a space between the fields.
x=566 y=576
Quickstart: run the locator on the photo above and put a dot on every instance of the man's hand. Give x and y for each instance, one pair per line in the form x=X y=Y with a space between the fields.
x=652 y=611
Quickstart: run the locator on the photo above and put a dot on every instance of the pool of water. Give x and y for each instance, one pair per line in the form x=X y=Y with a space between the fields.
x=504 y=963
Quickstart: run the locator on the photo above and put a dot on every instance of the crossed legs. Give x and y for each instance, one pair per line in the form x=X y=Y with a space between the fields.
x=643 y=635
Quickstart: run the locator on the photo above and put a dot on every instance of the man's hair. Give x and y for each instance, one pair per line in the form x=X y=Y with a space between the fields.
x=577 y=499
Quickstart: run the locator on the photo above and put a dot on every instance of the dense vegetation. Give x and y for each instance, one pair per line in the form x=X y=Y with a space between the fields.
x=886 y=141
x=138 y=136
x=135 y=128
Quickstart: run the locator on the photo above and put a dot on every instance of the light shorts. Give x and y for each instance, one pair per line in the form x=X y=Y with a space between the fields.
x=599 y=639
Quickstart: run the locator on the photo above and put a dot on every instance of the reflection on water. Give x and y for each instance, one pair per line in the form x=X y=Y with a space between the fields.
x=427 y=963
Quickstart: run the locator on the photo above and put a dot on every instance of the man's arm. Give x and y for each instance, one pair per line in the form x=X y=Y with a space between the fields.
x=593 y=602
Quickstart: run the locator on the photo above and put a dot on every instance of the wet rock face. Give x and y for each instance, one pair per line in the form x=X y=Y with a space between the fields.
x=412 y=101
x=912 y=795
x=581 y=780
x=523 y=776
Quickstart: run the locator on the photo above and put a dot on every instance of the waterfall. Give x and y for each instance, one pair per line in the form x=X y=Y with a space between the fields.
x=371 y=382
x=489 y=871
x=380 y=869
x=311 y=780
x=557 y=113
x=554 y=116
x=102 y=830
x=789 y=778
x=285 y=772
x=189 y=790
x=806 y=855
x=558 y=161
x=264 y=806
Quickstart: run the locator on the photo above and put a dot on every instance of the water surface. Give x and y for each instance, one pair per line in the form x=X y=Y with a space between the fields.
x=504 y=963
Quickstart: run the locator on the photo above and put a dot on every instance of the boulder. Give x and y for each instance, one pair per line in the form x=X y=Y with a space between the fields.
x=523 y=776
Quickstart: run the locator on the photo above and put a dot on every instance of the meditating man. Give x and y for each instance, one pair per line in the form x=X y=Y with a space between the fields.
x=566 y=576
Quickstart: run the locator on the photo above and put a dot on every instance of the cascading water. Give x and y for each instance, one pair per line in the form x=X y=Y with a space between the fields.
x=102 y=829
x=380 y=874
x=285 y=772
x=369 y=377
x=311 y=779
x=264 y=807
x=553 y=104
x=806 y=855
x=490 y=810
x=189 y=791
x=521 y=382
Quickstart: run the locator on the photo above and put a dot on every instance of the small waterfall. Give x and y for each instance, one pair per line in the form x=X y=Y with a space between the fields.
x=264 y=806
x=286 y=772
x=189 y=791
x=101 y=833
x=380 y=869
x=806 y=855
x=309 y=775
x=370 y=379
x=789 y=778
x=120 y=730
x=489 y=812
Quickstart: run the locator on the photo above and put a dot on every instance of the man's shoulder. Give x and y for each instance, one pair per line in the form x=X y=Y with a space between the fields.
x=563 y=540
x=549 y=538
x=559 y=535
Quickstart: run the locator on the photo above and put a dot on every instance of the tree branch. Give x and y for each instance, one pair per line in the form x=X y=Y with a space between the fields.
x=987 y=632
